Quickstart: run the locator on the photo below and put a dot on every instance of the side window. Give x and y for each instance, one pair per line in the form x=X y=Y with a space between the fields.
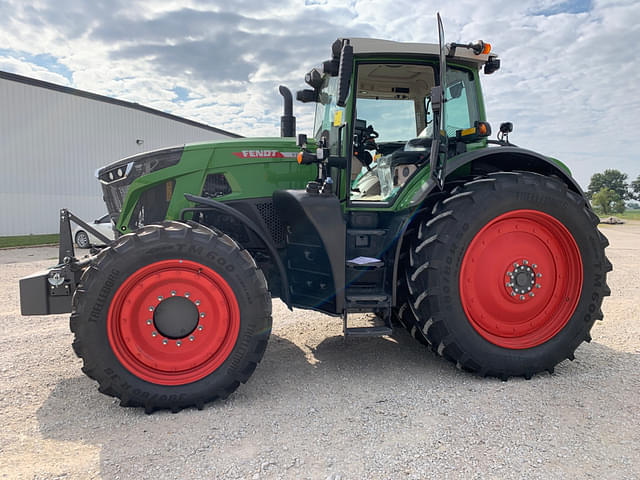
x=461 y=107
x=329 y=116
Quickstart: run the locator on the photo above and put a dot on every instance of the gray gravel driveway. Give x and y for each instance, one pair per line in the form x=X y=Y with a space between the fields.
x=318 y=407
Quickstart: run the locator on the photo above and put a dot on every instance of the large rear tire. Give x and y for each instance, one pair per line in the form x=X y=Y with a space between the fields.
x=171 y=316
x=508 y=275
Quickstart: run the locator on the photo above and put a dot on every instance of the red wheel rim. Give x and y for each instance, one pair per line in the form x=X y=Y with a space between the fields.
x=153 y=356
x=502 y=260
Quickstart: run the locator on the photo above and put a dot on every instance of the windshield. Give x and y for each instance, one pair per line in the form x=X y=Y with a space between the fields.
x=329 y=117
x=395 y=120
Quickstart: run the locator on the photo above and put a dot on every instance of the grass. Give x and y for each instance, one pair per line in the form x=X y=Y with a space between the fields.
x=627 y=215
x=27 y=240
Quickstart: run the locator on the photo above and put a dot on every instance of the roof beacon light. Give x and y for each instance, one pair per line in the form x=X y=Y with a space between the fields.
x=481 y=47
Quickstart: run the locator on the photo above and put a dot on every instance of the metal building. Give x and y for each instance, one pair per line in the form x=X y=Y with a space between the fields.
x=52 y=140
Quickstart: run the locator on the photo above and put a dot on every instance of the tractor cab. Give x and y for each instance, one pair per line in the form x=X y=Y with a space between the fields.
x=384 y=126
x=374 y=129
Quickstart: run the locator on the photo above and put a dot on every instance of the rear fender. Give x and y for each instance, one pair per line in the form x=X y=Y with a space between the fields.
x=484 y=160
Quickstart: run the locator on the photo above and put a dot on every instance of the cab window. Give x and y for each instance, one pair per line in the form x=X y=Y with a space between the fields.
x=391 y=109
x=461 y=106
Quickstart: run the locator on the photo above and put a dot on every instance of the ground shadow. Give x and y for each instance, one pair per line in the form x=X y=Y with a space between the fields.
x=335 y=384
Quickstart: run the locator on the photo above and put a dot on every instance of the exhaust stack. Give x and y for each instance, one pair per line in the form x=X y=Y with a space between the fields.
x=287 y=121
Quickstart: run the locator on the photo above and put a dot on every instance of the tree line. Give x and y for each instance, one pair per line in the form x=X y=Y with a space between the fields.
x=609 y=190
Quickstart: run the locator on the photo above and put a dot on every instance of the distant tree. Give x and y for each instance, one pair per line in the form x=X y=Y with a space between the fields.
x=608 y=201
x=611 y=179
x=633 y=205
x=635 y=186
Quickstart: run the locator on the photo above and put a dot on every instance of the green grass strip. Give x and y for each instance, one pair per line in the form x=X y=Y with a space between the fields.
x=27 y=240
x=627 y=215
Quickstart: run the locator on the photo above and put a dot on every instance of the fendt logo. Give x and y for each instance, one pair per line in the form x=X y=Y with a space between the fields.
x=264 y=154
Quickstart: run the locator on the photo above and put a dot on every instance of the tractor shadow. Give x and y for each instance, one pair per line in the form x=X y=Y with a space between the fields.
x=292 y=386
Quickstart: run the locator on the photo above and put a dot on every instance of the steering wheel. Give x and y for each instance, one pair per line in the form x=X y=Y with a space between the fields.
x=365 y=141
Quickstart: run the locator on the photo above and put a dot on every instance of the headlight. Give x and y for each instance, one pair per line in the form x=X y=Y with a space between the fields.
x=117 y=177
x=130 y=168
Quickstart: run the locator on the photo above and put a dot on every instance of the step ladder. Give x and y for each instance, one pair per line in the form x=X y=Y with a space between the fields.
x=360 y=303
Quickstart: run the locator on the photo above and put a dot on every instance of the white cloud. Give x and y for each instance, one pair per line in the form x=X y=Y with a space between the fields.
x=567 y=81
x=23 y=67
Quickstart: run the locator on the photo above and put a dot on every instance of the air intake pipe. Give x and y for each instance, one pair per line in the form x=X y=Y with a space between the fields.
x=287 y=121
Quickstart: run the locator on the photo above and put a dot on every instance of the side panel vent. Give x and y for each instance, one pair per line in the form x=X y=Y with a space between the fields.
x=215 y=185
x=272 y=220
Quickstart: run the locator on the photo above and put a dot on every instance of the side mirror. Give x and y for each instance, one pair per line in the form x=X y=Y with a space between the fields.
x=506 y=127
x=344 y=74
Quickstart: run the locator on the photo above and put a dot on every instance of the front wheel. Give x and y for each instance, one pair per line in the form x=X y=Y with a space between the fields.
x=171 y=316
x=508 y=276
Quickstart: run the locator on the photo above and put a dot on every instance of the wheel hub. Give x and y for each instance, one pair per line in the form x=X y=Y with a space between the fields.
x=175 y=317
x=173 y=322
x=521 y=279
x=501 y=289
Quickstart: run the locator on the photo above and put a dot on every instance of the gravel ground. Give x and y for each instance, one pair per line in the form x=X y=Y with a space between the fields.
x=318 y=407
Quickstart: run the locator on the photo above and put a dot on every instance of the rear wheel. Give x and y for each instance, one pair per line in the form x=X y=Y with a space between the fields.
x=171 y=316
x=508 y=276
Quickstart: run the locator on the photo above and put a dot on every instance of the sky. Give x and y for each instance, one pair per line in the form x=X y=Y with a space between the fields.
x=569 y=77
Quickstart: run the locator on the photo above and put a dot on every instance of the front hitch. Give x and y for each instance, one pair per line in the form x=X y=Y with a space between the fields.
x=49 y=292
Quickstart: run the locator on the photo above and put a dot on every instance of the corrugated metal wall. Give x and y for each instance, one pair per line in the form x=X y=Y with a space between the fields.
x=52 y=142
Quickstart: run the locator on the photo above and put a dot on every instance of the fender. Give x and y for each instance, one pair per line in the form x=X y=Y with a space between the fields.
x=250 y=224
x=504 y=158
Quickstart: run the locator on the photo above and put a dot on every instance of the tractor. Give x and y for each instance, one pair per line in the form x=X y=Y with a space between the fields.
x=397 y=204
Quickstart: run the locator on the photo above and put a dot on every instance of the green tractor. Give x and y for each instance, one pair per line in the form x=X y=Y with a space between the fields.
x=398 y=204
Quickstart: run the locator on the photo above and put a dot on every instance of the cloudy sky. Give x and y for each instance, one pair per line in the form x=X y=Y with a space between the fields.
x=569 y=79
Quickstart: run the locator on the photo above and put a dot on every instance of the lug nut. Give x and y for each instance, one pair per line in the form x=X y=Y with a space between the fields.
x=532 y=294
x=200 y=327
x=534 y=265
x=539 y=275
x=187 y=294
x=192 y=338
x=160 y=298
x=154 y=334
x=148 y=321
x=521 y=297
x=525 y=262
x=151 y=308
x=513 y=294
x=538 y=285
x=178 y=343
x=516 y=265
x=202 y=315
x=165 y=341
x=197 y=302
x=173 y=293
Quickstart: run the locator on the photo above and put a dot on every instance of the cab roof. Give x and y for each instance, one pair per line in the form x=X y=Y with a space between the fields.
x=369 y=46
